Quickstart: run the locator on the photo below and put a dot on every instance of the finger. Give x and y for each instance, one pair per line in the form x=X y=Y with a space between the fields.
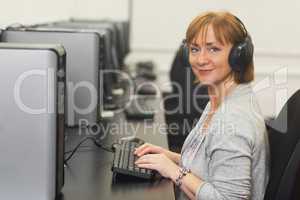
x=143 y=159
x=146 y=150
x=147 y=166
x=140 y=148
x=148 y=158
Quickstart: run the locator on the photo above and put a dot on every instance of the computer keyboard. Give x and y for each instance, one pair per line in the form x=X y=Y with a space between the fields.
x=124 y=160
x=140 y=110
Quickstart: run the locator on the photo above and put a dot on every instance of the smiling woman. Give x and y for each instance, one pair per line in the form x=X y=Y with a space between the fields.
x=226 y=155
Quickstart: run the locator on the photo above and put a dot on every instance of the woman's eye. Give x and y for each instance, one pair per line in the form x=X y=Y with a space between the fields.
x=213 y=49
x=194 y=49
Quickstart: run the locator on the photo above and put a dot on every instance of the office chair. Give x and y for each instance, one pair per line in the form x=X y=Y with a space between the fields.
x=285 y=151
x=187 y=109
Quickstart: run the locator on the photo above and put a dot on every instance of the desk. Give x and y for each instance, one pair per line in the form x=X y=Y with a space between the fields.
x=89 y=175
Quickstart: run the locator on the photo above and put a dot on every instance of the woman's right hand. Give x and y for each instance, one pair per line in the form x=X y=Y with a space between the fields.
x=149 y=148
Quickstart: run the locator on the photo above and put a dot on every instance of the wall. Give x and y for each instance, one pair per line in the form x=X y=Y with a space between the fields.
x=116 y=9
x=33 y=11
x=272 y=24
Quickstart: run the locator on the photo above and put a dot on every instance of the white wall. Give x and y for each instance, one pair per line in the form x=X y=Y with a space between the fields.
x=36 y=11
x=159 y=24
x=116 y=9
x=33 y=11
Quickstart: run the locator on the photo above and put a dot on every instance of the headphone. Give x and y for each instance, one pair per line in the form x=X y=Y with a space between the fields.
x=241 y=54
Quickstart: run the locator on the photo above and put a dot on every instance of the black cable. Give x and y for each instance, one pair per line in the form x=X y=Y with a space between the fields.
x=81 y=142
x=82 y=148
x=101 y=146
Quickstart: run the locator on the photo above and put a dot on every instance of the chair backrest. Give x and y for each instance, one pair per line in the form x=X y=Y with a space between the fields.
x=284 y=135
x=181 y=105
x=193 y=94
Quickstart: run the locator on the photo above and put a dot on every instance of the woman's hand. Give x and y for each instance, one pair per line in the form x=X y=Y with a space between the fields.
x=153 y=149
x=159 y=162
x=149 y=148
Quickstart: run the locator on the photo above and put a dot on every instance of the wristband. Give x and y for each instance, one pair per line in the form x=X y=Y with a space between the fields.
x=182 y=173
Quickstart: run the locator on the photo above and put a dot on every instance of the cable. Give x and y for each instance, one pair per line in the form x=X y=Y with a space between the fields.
x=82 y=149
x=108 y=149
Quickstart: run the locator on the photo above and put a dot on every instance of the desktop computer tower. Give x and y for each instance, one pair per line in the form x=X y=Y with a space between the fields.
x=83 y=55
x=120 y=30
x=32 y=85
x=104 y=24
x=115 y=49
x=107 y=52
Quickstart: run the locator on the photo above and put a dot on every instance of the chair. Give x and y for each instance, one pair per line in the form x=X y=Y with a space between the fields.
x=181 y=106
x=284 y=135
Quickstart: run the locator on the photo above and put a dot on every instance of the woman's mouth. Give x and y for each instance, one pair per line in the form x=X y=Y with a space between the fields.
x=205 y=71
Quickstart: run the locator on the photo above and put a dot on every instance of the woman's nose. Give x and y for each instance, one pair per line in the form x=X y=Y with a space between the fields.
x=202 y=58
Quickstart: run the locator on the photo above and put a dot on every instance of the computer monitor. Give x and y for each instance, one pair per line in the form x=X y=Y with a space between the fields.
x=111 y=27
x=32 y=104
x=82 y=66
x=109 y=64
x=116 y=27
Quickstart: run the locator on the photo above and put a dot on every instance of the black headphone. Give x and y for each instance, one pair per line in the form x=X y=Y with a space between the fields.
x=241 y=54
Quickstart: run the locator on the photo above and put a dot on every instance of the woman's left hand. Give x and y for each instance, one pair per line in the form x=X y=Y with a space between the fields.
x=159 y=162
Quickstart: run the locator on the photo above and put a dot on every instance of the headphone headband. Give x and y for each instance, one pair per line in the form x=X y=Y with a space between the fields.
x=242 y=25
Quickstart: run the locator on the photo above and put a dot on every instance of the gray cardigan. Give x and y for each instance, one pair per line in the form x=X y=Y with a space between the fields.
x=232 y=157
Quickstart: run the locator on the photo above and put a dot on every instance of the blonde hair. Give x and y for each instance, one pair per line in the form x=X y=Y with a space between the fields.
x=228 y=29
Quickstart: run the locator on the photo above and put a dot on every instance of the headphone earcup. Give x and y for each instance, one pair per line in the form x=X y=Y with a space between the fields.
x=241 y=55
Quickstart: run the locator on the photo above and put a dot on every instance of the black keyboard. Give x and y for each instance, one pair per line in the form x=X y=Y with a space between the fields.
x=140 y=110
x=124 y=159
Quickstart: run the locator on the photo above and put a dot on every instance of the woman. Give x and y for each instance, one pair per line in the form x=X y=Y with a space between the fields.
x=226 y=155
